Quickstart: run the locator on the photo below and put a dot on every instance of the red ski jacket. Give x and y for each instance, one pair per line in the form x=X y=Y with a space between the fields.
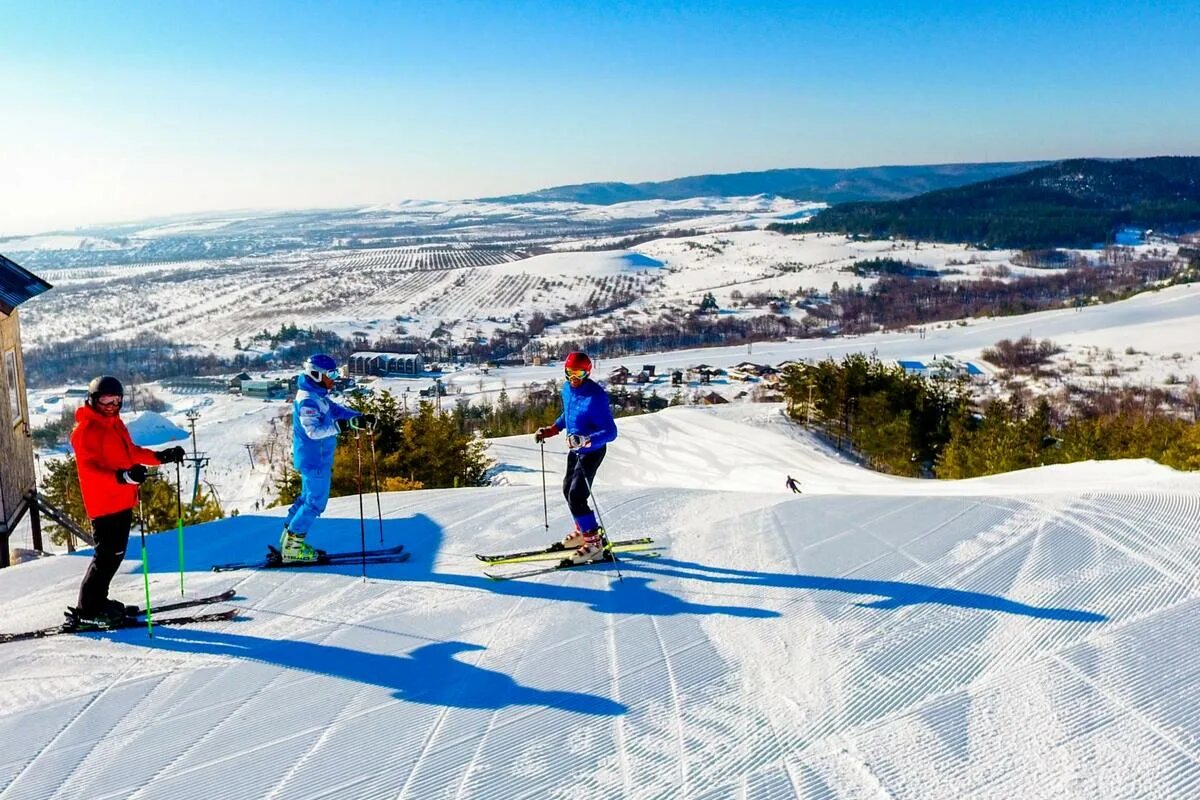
x=102 y=447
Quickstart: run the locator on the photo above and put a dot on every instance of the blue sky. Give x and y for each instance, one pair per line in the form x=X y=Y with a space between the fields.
x=127 y=110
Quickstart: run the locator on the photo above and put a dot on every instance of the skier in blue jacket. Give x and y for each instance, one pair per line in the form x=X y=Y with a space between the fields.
x=315 y=428
x=587 y=418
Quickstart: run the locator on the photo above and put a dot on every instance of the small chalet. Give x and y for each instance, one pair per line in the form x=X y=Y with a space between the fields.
x=712 y=399
x=235 y=383
x=539 y=394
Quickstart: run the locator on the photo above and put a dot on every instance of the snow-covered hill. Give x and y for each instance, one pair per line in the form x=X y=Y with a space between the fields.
x=1025 y=635
x=480 y=280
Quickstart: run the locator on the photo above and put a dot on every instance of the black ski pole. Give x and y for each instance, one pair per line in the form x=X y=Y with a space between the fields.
x=145 y=564
x=545 y=502
x=179 y=518
x=375 y=479
x=362 y=522
x=600 y=519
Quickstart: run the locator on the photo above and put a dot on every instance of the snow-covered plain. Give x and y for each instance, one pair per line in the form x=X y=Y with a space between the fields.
x=1022 y=635
x=470 y=291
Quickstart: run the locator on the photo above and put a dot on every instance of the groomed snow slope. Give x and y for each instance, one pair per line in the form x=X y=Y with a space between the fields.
x=1027 y=635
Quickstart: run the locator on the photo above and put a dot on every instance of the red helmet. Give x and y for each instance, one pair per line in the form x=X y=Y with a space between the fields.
x=578 y=360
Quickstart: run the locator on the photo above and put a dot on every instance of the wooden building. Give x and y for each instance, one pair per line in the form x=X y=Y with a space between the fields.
x=408 y=365
x=18 y=485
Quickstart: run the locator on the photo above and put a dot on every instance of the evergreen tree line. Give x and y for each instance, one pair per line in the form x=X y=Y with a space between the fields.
x=537 y=405
x=158 y=508
x=423 y=450
x=151 y=358
x=1076 y=203
x=895 y=421
x=897 y=301
x=906 y=424
x=440 y=448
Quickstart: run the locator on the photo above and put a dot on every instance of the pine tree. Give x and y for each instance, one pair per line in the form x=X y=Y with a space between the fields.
x=60 y=487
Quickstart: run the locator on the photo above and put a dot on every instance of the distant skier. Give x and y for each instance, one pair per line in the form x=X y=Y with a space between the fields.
x=111 y=467
x=315 y=427
x=587 y=418
x=792 y=484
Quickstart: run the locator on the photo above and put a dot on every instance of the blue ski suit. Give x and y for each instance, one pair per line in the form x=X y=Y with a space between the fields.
x=586 y=412
x=314 y=439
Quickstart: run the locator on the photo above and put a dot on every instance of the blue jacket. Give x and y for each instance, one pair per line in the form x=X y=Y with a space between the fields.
x=586 y=412
x=314 y=426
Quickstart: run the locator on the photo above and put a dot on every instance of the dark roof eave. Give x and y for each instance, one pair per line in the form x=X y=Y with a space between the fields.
x=17 y=285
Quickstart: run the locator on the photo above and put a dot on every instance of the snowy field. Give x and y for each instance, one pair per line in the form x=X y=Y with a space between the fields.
x=1022 y=635
x=1159 y=327
x=483 y=279
x=460 y=265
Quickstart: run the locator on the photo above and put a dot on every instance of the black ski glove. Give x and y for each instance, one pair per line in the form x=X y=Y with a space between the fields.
x=364 y=422
x=135 y=474
x=172 y=455
x=344 y=426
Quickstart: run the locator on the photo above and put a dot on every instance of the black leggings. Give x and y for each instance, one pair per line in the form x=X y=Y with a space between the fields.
x=575 y=488
x=112 y=537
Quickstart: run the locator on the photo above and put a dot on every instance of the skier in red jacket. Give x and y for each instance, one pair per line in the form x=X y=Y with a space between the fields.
x=111 y=467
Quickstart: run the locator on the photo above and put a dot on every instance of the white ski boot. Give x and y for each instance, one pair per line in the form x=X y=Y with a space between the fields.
x=592 y=548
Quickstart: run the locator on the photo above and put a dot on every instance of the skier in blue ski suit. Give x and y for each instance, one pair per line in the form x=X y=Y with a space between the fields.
x=314 y=439
x=588 y=420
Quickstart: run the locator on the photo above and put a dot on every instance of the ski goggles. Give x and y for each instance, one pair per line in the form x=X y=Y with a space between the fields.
x=111 y=402
x=575 y=374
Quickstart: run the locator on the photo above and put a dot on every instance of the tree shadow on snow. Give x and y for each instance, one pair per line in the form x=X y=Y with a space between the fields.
x=892 y=594
x=431 y=674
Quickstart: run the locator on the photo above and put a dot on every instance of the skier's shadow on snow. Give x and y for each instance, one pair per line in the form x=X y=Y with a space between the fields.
x=633 y=595
x=892 y=594
x=430 y=674
x=629 y=595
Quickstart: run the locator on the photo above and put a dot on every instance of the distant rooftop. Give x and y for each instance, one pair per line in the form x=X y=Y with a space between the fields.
x=367 y=354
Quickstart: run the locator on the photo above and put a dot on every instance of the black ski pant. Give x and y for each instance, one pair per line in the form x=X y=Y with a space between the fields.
x=112 y=537
x=581 y=471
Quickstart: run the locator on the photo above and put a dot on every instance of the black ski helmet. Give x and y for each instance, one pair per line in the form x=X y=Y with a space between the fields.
x=102 y=385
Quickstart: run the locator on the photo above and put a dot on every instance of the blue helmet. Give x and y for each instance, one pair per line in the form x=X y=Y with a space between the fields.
x=321 y=368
